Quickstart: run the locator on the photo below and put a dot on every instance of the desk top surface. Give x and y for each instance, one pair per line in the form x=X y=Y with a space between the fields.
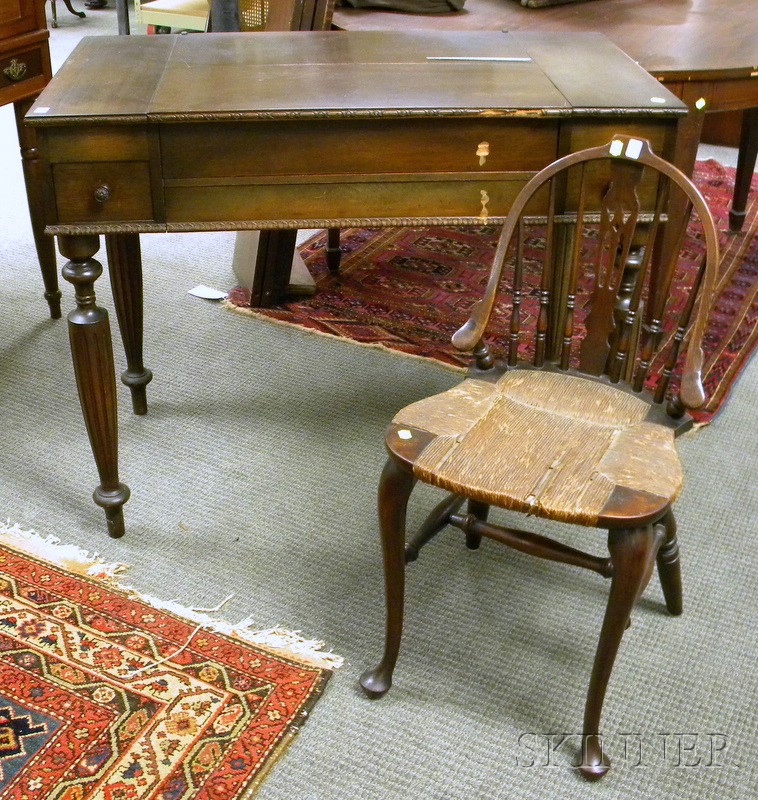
x=667 y=37
x=347 y=74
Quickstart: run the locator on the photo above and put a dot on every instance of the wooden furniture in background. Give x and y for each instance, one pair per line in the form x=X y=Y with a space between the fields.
x=24 y=72
x=280 y=131
x=704 y=51
x=557 y=433
x=190 y=15
x=69 y=8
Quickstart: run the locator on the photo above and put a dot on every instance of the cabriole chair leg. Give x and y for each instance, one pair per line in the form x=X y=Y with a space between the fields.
x=395 y=488
x=633 y=554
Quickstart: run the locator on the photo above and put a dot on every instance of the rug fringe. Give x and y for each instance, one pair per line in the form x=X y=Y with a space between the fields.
x=282 y=641
x=251 y=312
x=78 y=561
x=50 y=548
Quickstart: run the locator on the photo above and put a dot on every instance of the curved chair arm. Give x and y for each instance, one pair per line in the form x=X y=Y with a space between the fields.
x=629 y=149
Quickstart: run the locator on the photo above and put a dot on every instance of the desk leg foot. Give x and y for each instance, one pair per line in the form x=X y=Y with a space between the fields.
x=92 y=354
x=745 y=167
x=34 y=179
x=125 y=269
x=112 y=502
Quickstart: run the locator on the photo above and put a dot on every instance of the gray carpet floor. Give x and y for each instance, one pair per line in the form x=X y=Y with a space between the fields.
x=255 y=473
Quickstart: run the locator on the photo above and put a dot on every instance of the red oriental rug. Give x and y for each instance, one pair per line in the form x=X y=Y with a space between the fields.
x=409 y=289
x=106 y=697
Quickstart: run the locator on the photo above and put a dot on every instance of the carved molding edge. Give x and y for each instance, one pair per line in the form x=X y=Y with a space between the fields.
x=356 y=222
x=127 y=119
x=265 y=225
x=84 y=229
x=354 y=113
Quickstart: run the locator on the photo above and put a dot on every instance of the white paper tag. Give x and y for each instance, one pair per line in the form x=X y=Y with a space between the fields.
x=42 y=110
x=634 y=148
x=617 y=147
x=207 y=293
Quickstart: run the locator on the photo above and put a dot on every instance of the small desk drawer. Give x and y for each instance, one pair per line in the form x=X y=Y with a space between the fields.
x=20 y=68
x=106 y=191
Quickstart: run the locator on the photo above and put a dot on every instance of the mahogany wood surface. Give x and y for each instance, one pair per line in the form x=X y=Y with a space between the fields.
x=565 y=430
x=704 y=51
x=24 y=72
x=358 y=129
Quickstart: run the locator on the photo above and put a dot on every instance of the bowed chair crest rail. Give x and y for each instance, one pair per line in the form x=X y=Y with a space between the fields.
x=571 y=434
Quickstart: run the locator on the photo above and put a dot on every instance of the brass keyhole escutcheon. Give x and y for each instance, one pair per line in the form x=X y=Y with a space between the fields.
x=482 y=151
x=485 y=198
x=16 y=70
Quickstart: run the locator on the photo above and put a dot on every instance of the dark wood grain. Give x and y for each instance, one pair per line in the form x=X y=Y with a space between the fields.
x=394 y=490
x=92 y=352
x=24 y=72
x=125 y=271
x=273 y=131
x=664 y=36
x=704 y=52
x=633 y=555
x=591 y=447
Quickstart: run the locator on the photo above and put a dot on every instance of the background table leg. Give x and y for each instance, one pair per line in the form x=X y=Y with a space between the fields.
x=27 y=139
x=125 y=270
x=92 y=353
x=745 y=166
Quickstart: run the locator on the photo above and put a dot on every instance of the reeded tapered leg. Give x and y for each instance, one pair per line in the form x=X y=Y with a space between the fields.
x=633 y=555
x=669 y=568
x=333 y=252
x=480 y=511
x=34 y=180
x=125 y=268
x=432 y=525
x=394 y=490
x=92 y=353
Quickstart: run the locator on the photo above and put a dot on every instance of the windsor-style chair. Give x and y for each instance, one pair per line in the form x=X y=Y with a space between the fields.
x=572 y=434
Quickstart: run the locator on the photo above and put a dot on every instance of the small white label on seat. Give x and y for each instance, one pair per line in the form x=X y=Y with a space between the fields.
x=42 y=110
x=404 y=433
x=634 y=148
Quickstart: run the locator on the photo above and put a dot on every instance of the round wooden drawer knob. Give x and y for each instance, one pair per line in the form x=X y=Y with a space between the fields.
x=103 y=193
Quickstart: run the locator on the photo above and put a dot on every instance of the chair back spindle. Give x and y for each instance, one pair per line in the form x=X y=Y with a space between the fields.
x=605 y=201
x=515 y=324
x=543 y=319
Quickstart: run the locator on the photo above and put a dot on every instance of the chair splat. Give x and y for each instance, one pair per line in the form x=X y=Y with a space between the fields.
x=618 y=222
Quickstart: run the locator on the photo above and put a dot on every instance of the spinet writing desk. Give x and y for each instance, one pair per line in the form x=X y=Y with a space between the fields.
x=301 y=130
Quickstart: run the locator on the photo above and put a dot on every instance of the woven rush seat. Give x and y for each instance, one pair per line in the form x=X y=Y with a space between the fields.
x=544 y=443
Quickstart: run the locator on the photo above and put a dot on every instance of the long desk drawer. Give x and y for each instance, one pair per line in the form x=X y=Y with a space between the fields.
x=359 y=147
x=364 y=199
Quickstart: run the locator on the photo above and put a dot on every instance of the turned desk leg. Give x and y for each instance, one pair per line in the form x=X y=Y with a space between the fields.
x=92 y=353
x=125 y=270
x=27 y=139
x=745 y=167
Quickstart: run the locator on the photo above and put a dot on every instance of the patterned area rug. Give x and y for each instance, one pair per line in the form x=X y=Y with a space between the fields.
x=409 y=289
x=106 y=697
